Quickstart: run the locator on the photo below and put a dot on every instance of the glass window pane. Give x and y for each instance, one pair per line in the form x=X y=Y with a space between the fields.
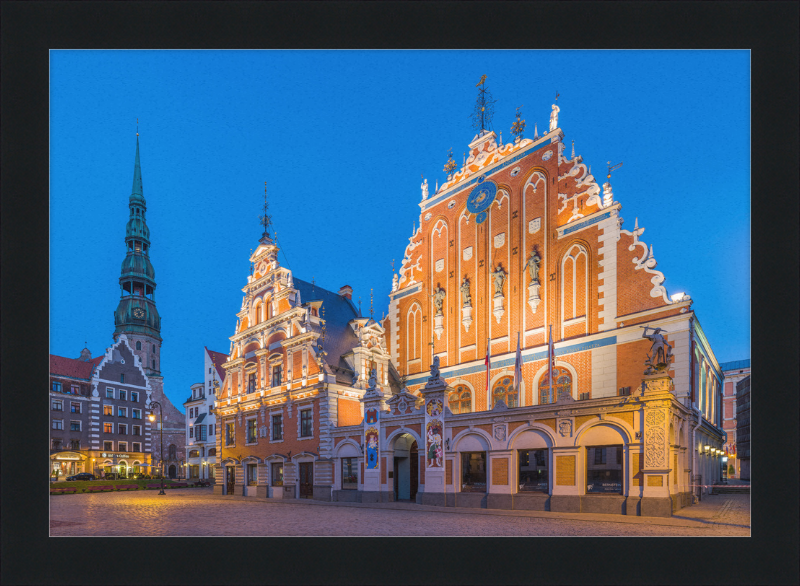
x=533 y=471
x=349 y=474
x=604 y=469
x=473 y=471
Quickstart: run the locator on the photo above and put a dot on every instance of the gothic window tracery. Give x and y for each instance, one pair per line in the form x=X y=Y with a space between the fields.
x=414 y=333
x=504 y=390
x=574 y=283
x=460 y=400
x=562 y=385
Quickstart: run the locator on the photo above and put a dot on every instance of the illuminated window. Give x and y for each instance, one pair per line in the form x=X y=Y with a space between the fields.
x=473 y=471
x=108 y=410
x=277 y=474
x=108 y=428
x=230 y=434
x=349 y=474
x=460 y=400
x=562 y=385
x=504 y=389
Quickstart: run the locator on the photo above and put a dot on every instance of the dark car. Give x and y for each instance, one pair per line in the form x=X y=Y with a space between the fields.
x=81 y=476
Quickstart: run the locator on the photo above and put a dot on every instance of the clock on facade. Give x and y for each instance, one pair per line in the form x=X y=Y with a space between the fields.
x=138 y=313
x=481 y=197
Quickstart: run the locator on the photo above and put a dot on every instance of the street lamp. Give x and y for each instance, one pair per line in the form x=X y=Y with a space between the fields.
x=152 y=417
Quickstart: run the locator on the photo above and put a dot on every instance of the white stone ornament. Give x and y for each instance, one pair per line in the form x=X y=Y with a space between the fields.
x=451 y=205
x=424 y=188
x=515 y=171
x=439 y=266
x=468 y=253
x=427 y=216
x=534 y=225
x=547 y=155
x=500 y=240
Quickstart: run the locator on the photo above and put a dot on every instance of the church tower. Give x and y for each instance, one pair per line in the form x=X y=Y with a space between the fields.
x=136 y=315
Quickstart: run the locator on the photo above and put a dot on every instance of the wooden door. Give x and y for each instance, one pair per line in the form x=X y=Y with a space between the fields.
x=306 y=480
x=231 y=480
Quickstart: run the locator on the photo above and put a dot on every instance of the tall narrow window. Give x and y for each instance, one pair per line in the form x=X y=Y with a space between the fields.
x=251 y=382
x=305 y=423
x=277 y=474
x=251 y=431
x=349 y=474
x=473 y=471
x=276 y=375
x=138 y=345
x=229 y=434
x=277 y=427
x=414 y=332
x=574 y=284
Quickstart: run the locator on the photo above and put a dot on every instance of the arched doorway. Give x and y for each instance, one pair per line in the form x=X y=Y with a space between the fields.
x=406 y=468
x=172 y=471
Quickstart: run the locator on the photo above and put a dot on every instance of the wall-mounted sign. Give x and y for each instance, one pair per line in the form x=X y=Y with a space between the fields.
x=110 y=455
x=67 y=458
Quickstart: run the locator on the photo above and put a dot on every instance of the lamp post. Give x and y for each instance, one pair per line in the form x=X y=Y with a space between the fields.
x=152 y=417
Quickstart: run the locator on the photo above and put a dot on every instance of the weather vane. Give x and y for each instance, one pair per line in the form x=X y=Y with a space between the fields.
x=137 y=127
x=265 y=220
x=451 y=164
x=519 y=125
x=614 y=168
x=484 y=109
x=557 y=94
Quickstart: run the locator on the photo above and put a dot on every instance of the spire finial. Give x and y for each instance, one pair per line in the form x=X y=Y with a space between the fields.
x=535 y=131
x=359 y=306
x=370 y=303
x=137 y=127
x=573 y=148
x=484 y=109
x=450 y=164
x=265 y=220
x=518 y=126
x=557 y=94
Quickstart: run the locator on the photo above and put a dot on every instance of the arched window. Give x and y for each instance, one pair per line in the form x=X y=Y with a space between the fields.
x=138 y=345
x=562 y=385
x=212 y=452
x=154 y=348
x=460 y=400
x=154 y=363
x=269 y=309
x=173 y=451
x=574 y=284
x=194 y=454
x=504 y=389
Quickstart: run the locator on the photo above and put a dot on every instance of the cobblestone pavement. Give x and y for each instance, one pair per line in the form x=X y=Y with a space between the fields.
x=197 y=512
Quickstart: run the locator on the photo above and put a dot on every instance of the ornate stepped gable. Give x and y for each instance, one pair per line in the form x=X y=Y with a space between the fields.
x=518 y=238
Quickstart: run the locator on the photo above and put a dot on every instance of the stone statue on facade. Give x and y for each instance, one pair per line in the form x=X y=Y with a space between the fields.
x=438 y=300
x=660 y=352
x=554 y=117
x=467 y=298
x=435 y=368
x=499 y=276
x=424 y=188
x=373 y=379
x=533 y=265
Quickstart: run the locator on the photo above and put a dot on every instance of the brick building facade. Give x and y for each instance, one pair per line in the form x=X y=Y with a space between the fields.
x=518 y=244
x=733 y=372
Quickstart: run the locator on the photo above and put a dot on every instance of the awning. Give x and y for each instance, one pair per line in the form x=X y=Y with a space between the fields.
x=200 y=419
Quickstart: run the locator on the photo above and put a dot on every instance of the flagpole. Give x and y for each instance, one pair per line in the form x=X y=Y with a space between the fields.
x=550 y=357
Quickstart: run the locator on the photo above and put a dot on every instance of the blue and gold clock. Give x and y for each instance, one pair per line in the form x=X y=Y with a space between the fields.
x=481 y=197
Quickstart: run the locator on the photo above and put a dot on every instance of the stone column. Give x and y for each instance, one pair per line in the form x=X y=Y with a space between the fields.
x=656 y=500
x=373 y=406
x=434 y=393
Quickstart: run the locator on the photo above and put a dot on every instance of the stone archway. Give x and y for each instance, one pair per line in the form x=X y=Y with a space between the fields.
x=172 y=471
x=406 y=467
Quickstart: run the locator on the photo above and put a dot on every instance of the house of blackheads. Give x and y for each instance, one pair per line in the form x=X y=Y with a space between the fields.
x=531 y=358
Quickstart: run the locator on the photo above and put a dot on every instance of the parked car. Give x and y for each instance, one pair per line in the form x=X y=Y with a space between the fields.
x=82 y=476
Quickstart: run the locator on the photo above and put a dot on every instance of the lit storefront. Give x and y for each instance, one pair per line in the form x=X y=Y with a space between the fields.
x=63 y=464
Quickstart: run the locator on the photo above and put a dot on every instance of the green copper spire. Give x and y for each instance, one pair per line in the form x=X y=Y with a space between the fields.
x=136 y=191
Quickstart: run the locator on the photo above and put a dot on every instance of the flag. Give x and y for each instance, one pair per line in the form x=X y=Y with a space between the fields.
x=518 y=367
x=488 y=363
x=551 y=360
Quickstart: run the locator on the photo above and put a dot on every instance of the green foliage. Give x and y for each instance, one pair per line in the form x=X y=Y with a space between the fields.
x=82 y=485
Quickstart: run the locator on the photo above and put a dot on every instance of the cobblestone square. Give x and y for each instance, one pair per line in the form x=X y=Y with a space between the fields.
x=197 y=512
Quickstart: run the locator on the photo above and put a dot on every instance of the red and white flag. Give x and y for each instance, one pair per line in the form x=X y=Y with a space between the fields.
x=518 y=367
x=551 y=362
x=488 y=363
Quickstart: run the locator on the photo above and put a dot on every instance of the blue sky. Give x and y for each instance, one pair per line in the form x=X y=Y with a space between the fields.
x=342 y=138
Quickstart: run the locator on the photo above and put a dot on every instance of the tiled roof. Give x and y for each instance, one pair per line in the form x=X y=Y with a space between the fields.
x=735 y=365
x=73 y=367
x=339 y=337
x=218 y=358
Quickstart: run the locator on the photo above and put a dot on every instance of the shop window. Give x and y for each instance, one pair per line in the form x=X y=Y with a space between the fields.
x=277 y=427
x=562 y=385
x=194 y=471
x=252 y=432
x=504 y=390
x=56 y=387
x=58 y=406
x=74 y=425
x=305 y=423
x=252 y=477
x=108 y=410
x=58 y=424
x=75 y=407
x=230 y=434
x=134 y=397
x=108 y=428
x=460 y=400
x=277 y=474
x=534 y=471
x=604 y=469
x=473 y=471
x=75 y=444
x=349 y=474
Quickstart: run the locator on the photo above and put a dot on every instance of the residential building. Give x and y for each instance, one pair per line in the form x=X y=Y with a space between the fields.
x=201 y=449
x=732 y=373
x=743 y=427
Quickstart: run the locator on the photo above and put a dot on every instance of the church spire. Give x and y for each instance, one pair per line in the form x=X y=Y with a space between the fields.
x=136 y=191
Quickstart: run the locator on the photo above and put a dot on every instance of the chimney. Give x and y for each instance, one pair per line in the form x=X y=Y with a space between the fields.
x=346 y=292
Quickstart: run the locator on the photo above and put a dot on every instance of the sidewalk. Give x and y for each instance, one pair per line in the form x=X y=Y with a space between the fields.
x=711 y=510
